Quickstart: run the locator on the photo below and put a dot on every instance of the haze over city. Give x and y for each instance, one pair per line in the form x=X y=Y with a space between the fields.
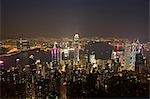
x=63 y=18
x=66 y=49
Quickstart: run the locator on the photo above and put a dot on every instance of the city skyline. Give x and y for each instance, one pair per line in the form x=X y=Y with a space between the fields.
x=90 y=18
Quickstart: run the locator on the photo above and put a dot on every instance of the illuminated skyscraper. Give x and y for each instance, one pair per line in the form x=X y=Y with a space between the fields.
x=76 y=46
x=23 y=44
x=55 y=54
x=135 y=49
x=127 y=56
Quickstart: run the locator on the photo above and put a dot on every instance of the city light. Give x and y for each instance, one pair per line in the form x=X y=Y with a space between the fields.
x=1 y=62
x=74 y=49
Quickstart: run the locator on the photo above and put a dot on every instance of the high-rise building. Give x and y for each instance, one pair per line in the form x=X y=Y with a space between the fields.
x=92 y=58
x=139 y=63
x=76 y=46
x=135 y=49
x=55 y=54
x=23 y=44
x=65 y=54
x=127 y=56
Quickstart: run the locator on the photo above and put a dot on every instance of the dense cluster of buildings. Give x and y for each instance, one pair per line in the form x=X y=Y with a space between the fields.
x=81 y=63
x=129 y=55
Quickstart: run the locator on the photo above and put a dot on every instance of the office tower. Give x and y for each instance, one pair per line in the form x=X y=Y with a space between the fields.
x=135 y=49
x=76 y=47
x=55 y=53
x=127 y=57
x=139 y=63
x=23 y=44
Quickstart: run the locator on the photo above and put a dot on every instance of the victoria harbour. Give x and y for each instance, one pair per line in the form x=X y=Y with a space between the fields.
x=74 y=49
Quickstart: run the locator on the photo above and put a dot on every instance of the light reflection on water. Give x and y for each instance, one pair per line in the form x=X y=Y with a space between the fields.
x=24 y=57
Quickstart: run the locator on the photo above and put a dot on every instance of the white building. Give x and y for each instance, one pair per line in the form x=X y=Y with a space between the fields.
x=130 y=55
x=76 y=46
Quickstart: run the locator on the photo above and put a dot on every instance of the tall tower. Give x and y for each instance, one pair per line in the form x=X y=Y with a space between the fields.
x=135 y=49
x=127 y=56
x=54 y=53
x=76 y=46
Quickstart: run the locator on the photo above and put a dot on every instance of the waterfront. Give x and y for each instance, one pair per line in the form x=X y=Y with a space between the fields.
x=41 y=81
x=45 y=56
x=54 y=49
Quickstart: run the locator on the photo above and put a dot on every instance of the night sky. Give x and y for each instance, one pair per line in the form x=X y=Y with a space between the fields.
x=63 y=18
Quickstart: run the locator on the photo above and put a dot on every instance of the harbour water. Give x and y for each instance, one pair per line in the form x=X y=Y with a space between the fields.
x=44 y=56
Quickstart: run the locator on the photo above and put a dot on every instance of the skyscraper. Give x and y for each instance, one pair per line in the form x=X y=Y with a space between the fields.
x=76 y=46
x=55 y=54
